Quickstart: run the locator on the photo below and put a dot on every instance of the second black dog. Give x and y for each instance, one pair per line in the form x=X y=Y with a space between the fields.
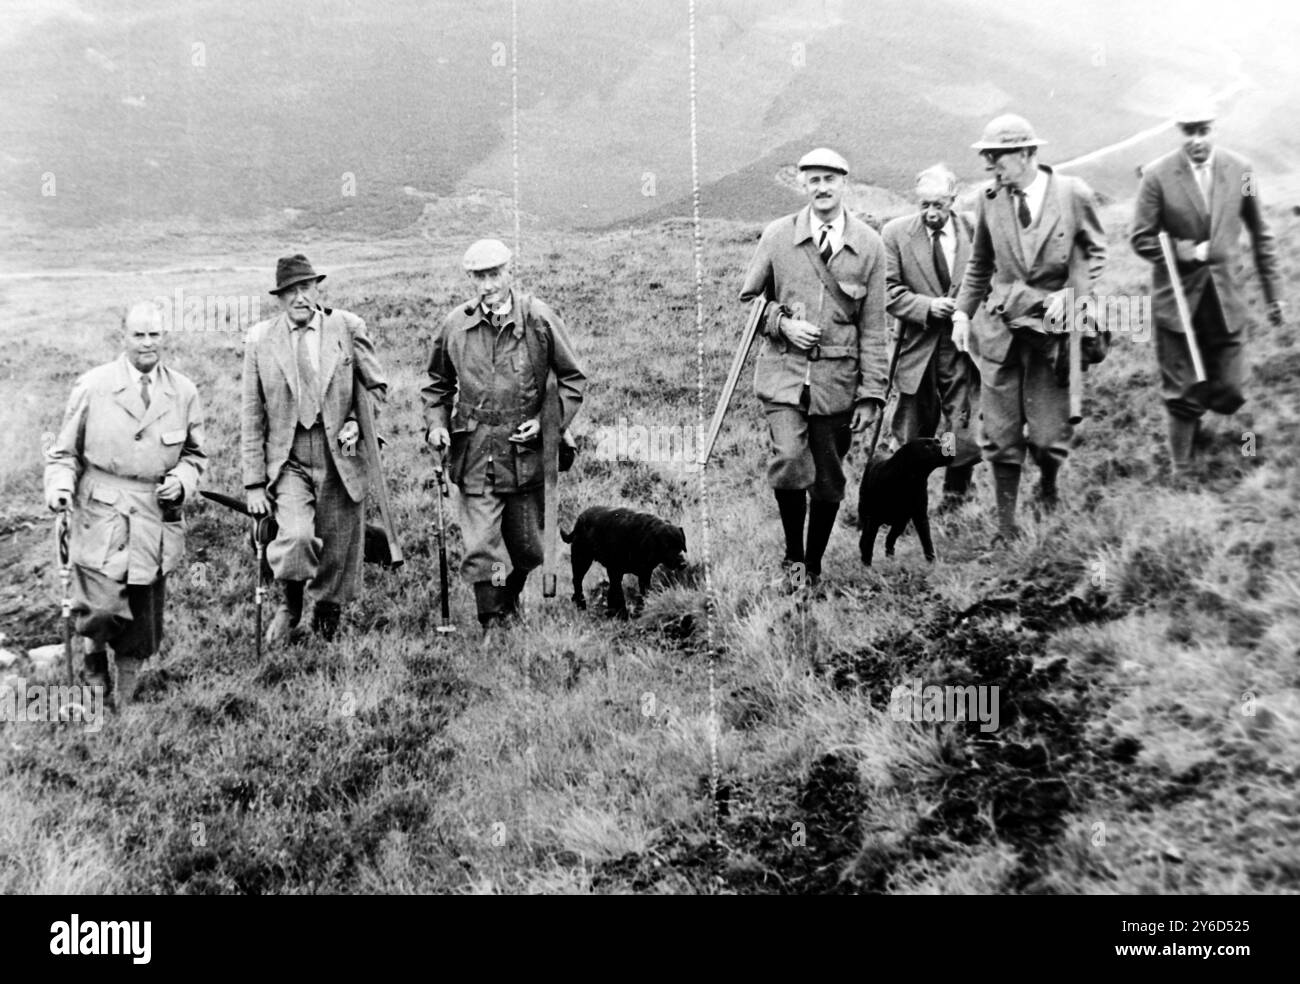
x=893 y=492
x=624 y=542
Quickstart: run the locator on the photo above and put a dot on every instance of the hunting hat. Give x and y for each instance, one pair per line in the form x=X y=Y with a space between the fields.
x=486 y=254
x=1008 y=132
x=1196 y=112
x=290 y=270
x=826 y=158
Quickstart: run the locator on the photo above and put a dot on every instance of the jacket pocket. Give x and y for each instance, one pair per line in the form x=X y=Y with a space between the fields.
x=102 y=535
x=456 y=459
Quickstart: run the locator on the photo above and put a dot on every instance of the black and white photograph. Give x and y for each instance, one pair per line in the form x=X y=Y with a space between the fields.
x=651 y=447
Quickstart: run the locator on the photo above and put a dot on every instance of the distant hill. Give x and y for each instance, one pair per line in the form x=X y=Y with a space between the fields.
x=362 y=120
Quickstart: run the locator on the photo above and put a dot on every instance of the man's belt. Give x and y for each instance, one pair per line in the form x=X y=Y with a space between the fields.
x=101 y=477
x=494 y=418
x=818 y=352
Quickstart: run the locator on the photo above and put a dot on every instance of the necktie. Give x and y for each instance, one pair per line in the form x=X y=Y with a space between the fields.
x=1022 y=207
x=1203 y=179
x=824 y=246
x=941 y=262
x=308 y=386
x=144 y=390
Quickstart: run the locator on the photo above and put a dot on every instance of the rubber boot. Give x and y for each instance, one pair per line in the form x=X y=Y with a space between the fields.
x=325 y=619
x=490 y=600
x=128 y=672
x=793 y=505
x=1048 y=495
x=956 y=486
x=95 y=674
x=515 y=582
x=1006 y=484
x=1182 y=432
x=821 y=521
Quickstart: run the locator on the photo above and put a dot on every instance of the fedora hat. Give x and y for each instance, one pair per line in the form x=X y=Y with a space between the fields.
x=290 y=270
x=1008 y=132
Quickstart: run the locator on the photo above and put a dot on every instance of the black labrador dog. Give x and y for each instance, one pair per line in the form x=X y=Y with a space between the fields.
x=893 y=492
x=624 y=542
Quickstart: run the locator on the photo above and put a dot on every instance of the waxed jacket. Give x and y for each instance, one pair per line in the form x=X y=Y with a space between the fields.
x=486 y=379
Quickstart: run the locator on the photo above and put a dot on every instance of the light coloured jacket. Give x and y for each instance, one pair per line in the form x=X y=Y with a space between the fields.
x=270 y=400
x=850 y=363
x=1169 y=200
x=911 y=283
x=111 y=454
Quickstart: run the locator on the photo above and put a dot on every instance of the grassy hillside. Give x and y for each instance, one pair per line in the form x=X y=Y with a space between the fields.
x=1144 y=640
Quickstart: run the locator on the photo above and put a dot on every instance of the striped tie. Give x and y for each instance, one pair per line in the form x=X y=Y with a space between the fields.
x=824 y=245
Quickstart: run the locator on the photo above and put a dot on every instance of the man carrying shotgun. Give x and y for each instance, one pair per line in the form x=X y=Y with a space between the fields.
x=483 y=406
x=1036 y=234
x=300 y=445
x=822 y=362
x=1201 y=196
x=925 y=257
x=128 y=456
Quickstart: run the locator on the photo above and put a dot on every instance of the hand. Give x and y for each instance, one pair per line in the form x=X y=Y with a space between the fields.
x=526 y=431
x=1055 y=314
x=942 y=307
x=438 y=438
x=865 y=414
x=259 y=504
x=802 y=334
x=169 y=489
x=58 y=500
x=961 y=332
x=1202 y=252
x=348 y=435
x=1277 y=314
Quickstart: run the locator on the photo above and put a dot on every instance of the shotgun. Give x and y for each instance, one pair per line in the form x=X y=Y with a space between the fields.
x=756 y=309
x=551 y=472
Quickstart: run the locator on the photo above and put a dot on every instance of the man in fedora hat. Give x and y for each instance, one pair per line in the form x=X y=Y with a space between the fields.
x=1036 y=234
x=925 y=256
x=300 y=437
x=483 y=404
x=822 y=363
x=1202 y=196
x=128 y=456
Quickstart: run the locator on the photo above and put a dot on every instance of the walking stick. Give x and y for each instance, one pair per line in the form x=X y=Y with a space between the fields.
x=755 y=318
x=263 y=532
x=65 y=585
x=445 y=625
x=1218 y=396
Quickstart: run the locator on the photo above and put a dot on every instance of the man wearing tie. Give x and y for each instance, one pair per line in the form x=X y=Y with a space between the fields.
x=128 y=456
x=299 y=446
x=1201 y=195
x=821 y=363
x=1036 y=234
x=925 y=256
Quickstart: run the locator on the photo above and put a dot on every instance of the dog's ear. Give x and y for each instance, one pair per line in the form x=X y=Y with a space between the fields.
x=681 y=536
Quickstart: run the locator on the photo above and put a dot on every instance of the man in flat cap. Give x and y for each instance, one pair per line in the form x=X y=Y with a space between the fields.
x=822 y=363
x=925 y=257
x=128 y=456
x=483 y=404
x=1036 y=234
x=304 y=370
x=1202 y=196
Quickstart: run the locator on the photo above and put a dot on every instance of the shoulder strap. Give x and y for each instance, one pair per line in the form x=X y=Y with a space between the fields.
x=539 y=349
x=846 y=303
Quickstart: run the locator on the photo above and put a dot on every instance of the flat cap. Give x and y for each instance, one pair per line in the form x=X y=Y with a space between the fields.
x=1196 y=112
x=826 y=158
x=486 y=254
x=1008 y=132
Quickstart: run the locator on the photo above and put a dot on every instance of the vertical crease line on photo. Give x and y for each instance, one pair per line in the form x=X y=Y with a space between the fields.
x=705 y=544
x=514 y=118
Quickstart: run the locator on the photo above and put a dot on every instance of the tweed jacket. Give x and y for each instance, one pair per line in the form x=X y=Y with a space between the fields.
x=850 y=363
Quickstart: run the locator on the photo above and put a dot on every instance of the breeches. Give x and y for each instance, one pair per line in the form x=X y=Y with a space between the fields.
x=502 y=532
